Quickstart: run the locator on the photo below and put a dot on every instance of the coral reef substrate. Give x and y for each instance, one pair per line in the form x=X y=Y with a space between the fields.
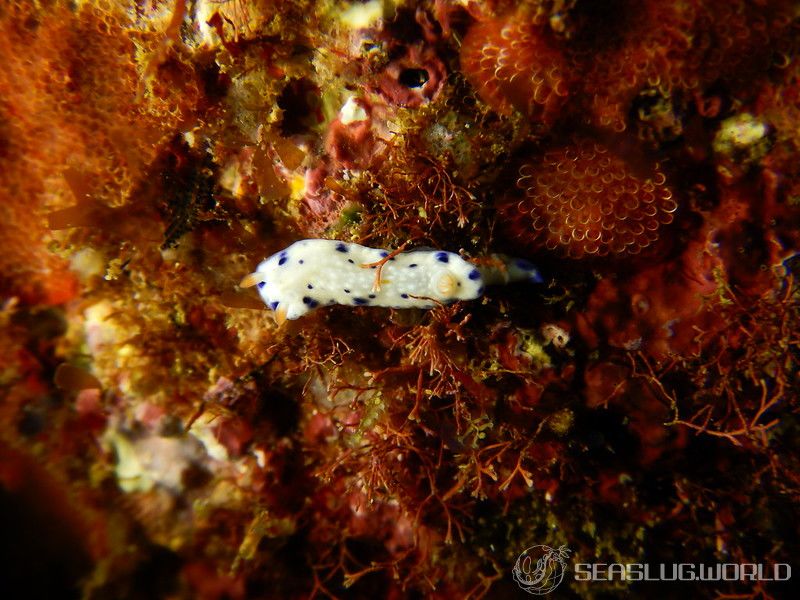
x=161 y=436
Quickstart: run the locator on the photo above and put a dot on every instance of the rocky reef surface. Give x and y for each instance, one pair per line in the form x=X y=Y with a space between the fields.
x=162 y=437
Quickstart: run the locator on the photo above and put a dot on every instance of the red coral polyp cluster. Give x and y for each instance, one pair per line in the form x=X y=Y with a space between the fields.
x=602 y=55
x=582 y=200
x=512 y=66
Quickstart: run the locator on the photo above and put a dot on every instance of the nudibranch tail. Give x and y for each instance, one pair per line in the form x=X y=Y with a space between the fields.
x=501 y=269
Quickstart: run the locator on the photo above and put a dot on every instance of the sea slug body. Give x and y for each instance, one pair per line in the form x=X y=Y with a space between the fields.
x=316 y=272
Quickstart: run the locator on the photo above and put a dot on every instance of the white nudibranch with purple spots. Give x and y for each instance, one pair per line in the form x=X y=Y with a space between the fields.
x=313 y=273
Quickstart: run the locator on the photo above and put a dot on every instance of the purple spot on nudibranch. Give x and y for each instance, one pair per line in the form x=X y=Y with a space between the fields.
x=480 y=290
x=404 y=295
x=474 y=274
x=261 y=284
x=384 y=254
x=282 y=260
x=442 y=257
x=351 y=261
x=412 y=265
x=310 y=302
x=309 y=286
x=300 y=261
x=346 y=291
x=340 y=247
x=273 y=305
x=372 y=295
x=360 y=301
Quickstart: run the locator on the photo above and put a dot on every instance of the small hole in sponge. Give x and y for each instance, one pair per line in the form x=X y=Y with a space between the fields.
x=300 y=102
x=413 y=78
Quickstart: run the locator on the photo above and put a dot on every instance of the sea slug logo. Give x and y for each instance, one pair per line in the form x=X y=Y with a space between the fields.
x=540 y=569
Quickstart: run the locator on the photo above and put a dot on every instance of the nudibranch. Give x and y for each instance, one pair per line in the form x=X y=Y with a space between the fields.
x=318 y=272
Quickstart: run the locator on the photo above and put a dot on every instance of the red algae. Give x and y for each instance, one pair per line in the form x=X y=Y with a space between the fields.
x=638 y=406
